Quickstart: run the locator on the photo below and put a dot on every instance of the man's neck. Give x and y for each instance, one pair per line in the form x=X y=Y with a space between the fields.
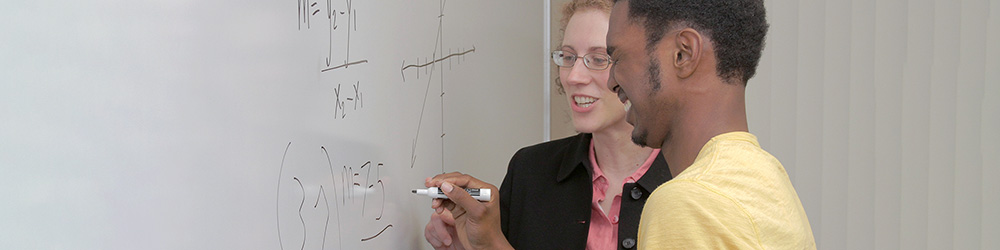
x=717 y=113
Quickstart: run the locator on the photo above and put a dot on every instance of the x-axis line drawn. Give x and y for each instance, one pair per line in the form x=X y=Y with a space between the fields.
x=439 y=59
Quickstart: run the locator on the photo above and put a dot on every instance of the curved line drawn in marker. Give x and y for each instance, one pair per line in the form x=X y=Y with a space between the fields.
x=379 y=233
x=326 y=227
x=277 y=198
x=300 y=211
x=383 y=201
x=334 y=179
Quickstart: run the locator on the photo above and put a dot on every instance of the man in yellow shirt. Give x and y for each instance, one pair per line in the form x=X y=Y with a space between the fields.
x=681 y=68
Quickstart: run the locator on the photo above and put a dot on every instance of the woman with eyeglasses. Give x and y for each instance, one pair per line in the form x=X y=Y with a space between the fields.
x=583 y=191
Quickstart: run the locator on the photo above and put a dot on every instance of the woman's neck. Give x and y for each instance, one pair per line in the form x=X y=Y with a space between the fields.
x=616 y=153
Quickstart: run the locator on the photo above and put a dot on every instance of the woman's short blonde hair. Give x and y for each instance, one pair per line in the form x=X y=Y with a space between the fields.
x=581 y=5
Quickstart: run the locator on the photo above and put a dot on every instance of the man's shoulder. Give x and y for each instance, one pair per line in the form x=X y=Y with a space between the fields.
x=736 y=152
x=736 y=164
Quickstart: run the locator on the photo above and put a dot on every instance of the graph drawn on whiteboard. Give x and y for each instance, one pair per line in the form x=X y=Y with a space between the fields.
x=427 y=66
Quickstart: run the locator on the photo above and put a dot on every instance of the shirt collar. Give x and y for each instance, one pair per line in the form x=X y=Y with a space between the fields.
x=634 y=177
x=578 y=154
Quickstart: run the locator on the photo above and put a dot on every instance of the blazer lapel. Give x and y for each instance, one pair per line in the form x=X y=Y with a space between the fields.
x=579 y=157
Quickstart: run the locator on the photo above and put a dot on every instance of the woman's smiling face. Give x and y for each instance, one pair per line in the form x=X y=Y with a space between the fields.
x=594 y=107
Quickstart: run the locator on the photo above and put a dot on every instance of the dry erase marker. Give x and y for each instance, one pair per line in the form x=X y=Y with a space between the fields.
x=481 y=194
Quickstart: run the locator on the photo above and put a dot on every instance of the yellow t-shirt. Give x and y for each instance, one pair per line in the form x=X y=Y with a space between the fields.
x=734 y=196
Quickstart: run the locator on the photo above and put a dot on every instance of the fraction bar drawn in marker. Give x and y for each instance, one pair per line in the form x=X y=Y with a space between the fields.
x=343 y=65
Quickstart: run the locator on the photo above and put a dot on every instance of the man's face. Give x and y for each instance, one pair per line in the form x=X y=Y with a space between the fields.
x=642 y=84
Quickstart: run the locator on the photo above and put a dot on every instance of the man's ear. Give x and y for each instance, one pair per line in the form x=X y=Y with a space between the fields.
x=688 y=44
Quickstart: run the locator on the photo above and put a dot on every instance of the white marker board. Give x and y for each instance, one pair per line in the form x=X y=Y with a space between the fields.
x=254 y=124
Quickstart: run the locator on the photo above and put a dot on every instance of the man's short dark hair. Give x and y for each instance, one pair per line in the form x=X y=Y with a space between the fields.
x=735 y=27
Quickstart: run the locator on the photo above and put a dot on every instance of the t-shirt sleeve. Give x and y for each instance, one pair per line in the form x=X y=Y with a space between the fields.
x=689 y=215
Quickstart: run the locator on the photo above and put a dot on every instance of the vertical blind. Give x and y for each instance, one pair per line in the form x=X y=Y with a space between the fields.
x=885 y=115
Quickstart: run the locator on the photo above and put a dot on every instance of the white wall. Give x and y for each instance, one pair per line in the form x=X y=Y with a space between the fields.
x=885 y=115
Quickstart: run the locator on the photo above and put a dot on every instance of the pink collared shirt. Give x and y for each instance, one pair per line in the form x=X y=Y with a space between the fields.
x=603 y=232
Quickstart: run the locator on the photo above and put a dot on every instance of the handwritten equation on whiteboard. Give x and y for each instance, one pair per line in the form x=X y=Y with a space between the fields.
x=343 y=192
x=337 y=20
x=311 y=9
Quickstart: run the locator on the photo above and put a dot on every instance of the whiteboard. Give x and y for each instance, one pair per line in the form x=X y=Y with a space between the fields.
x=304 y=124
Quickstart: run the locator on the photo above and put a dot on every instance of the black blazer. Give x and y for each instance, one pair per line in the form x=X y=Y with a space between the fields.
x=545 y=198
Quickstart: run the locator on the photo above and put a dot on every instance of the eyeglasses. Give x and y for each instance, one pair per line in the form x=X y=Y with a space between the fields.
x=593 y=61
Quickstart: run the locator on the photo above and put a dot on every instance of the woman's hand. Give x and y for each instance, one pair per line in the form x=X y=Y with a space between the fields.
x=440 y=230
